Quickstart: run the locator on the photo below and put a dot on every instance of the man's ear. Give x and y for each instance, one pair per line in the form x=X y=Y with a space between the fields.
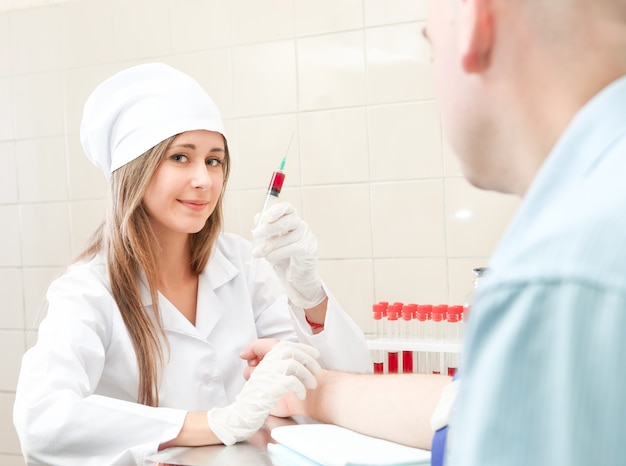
x=476 y=35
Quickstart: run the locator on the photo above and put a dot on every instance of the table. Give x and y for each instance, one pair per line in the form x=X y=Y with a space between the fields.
x=252 y=452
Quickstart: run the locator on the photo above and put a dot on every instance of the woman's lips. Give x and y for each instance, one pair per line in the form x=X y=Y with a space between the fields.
x=194 y=205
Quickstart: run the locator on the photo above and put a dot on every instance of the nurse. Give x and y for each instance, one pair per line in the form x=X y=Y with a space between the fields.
x=144 y=343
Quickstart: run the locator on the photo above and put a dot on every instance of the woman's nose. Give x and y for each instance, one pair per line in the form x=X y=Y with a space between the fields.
x=200 y=177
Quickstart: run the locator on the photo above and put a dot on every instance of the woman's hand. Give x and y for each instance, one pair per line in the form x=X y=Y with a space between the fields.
x=289 y=405
x=287 y=243
x=287 y=367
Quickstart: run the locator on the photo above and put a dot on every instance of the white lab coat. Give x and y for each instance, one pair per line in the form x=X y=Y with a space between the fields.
x=76 y=396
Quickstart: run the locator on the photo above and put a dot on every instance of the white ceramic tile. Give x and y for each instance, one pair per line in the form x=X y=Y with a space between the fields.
x=323 y=16
x=85 y=216
x=86 y=181
x=264 y=78
x=11 y=348
x=408 y=219
x=12 y=309
x=398 y=64
x=12 y=460
x=10 y=236
x=141 y=29
x=262 y=143
x=352 y=283
x=461 y=277
x=213 y=70
x=5 y=61
x=394 y=11
x=79 y=83
x=41 y=169
x=475 y=219
x=199 y=24
x=451 y=164
x=339 y=216
x=38 y=103
x=405 y=141
x=9 y=443
x=27 y=29
x=334 y=146
x=31 y=338
x=45 y=234
x=422 y=281
x=254 y=21
x=331 y=71
x=6 y=110
x=87 y=32
x=8 y=174
x=36 y=283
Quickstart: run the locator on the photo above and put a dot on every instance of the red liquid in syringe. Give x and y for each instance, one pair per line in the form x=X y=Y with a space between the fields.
x=276 y=183
x=273 y=190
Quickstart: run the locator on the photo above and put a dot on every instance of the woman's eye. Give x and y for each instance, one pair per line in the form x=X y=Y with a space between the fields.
x=214 y=162
x=178 y=158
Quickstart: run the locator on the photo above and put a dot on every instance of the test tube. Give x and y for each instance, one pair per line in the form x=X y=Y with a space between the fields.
x=378 y=354
x=407 y=335
x=422 y=319
x=392 y=334
x=437 y=316
x=455 y=314
x=479 y=273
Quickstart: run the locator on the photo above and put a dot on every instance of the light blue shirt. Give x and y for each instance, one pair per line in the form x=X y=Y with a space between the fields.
x=543 y=378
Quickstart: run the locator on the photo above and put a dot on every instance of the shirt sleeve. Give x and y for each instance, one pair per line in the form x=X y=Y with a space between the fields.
x=341 y=344
x=543 y=368
x=57 y=414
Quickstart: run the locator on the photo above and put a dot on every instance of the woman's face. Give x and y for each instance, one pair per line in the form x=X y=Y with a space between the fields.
x=186 y=186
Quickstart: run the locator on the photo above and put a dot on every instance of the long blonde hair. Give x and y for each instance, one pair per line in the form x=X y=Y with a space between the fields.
x=130 y=246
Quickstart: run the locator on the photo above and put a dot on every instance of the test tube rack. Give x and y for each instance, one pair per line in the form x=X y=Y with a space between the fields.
x=427 y=337
x=420 y=346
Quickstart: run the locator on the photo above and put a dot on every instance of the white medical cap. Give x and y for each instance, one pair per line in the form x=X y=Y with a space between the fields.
x=139 y=107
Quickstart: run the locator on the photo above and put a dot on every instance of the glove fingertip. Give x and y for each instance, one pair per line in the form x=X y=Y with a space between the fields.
x=257 y=252
x=315 y=367
x=310 y=382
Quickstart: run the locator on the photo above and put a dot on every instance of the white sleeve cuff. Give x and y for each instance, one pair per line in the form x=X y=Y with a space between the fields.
x=441 y=415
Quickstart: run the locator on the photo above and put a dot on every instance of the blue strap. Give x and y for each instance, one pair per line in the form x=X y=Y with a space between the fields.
x=438 y=446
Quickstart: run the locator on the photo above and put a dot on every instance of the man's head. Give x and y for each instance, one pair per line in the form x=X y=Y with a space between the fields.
x=511 y=74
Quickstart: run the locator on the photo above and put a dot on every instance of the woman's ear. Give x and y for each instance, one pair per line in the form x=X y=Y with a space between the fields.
x=476 y=35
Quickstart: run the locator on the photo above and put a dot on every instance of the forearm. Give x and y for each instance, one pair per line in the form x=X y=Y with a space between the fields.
x=395 y=407
x=317 y=314
x=195 y=432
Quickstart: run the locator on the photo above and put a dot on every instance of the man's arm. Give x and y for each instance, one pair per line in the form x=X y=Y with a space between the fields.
x=396 y=407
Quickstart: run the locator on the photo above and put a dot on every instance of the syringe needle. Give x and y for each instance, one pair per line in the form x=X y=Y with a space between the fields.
x=276 y=183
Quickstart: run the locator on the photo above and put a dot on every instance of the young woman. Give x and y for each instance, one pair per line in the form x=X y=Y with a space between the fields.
x=144 y=342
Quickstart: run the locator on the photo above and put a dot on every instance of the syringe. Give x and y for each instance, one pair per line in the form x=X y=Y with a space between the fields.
x=276 y=183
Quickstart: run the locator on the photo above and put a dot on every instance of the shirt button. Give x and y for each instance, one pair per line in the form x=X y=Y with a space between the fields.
x=210 y=380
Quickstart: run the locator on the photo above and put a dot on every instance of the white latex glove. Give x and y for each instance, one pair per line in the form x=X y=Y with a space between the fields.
x=287 y=367
x=288 y=244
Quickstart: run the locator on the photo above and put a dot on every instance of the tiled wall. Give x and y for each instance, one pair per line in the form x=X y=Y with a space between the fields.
x=368 y=168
